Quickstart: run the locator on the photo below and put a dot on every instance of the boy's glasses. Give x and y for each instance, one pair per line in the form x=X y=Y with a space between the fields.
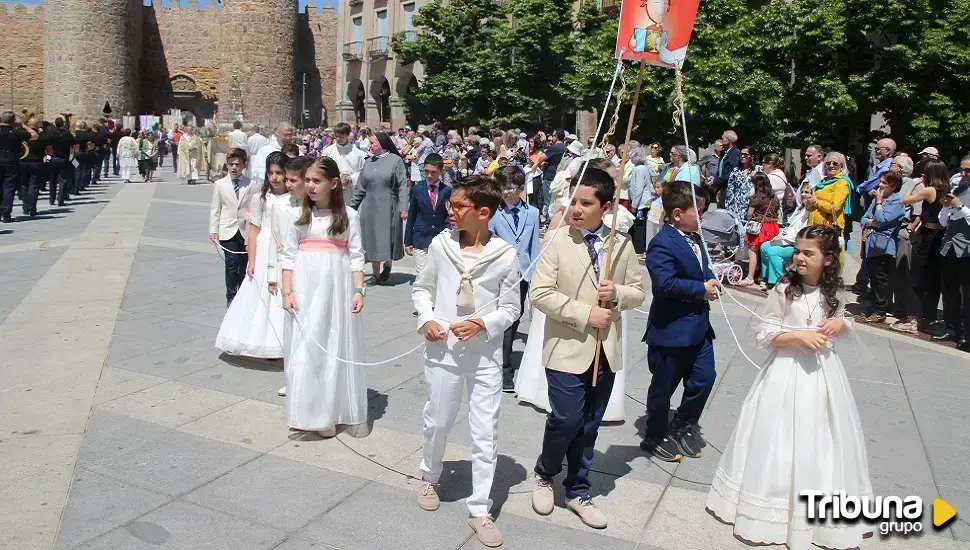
x=457 y=206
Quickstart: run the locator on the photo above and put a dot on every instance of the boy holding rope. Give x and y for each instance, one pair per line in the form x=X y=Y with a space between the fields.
x=229 y=219
x=679 y=337
x=469 y=284
x=570 y=285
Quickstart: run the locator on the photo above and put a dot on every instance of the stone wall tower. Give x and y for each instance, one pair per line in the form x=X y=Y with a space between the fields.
x=257 y=41
x=92 y=53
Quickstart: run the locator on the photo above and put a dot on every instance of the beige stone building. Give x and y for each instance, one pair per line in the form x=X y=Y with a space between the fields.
x=236 y=59
x=371 y=82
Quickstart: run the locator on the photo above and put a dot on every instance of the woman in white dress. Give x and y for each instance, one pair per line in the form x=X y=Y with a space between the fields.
x=127 y=155
x=799 y=428
x=323 y=284
x=530 y=382
x=253 y=325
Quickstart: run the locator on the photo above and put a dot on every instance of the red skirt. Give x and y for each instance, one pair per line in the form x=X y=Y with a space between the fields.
x=769 y=230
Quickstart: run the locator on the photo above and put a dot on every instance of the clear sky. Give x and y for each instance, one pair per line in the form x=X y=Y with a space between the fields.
x=303 y=3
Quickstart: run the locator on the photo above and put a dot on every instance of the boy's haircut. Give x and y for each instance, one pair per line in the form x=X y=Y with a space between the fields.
x=237 y=124
x=237 y=153
x=299 y=164
x=482 y=190
x=507 y=176
x=601 y=182
x=678 y=194
x=434 y=159
x=291 y=149
x=342 y=128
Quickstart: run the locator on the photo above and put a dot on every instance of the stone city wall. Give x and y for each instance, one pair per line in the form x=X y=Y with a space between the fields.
x=179 y=41
x=22 y=46
x=317 y=57
x=169 y=42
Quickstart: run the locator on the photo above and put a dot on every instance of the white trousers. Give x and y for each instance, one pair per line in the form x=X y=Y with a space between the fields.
x=125 y=173
x=420 y=258
x=445 y=388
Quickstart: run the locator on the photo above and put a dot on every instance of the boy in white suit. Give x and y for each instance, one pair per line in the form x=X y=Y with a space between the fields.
x=229 y=218
x=469 y=273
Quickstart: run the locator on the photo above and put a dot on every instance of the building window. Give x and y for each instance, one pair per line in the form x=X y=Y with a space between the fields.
x=358 y=29
x=382 y=23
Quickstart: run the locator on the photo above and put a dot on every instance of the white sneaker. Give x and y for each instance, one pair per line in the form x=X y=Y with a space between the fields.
x=282 y=391
x=428 y=499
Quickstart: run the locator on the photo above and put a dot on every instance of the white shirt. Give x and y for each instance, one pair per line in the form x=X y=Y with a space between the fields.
x=255 y=143
x=257 y=165
x=348 y=157
x=237 y=140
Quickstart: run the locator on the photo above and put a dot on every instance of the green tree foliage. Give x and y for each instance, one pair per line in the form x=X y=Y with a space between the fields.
x=782 y=73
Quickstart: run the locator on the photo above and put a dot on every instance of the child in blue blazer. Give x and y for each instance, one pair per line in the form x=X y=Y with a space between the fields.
x=427 y=212
x=679 y=336
x=516 y=223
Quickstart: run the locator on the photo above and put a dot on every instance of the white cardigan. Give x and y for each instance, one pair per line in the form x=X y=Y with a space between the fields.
x=435 y=296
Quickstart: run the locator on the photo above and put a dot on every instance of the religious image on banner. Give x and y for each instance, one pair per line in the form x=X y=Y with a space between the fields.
x=656 y=31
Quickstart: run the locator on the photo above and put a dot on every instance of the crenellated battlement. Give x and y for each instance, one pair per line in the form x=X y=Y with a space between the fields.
x=21 y=13
x=192 y=6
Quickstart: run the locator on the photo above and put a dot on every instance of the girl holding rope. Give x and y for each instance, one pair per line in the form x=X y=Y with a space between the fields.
x=799 y=427
x=323 y=289
x=253 y=324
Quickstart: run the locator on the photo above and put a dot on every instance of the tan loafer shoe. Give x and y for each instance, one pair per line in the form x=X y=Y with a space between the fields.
x=428 y=499
x=588 y=512
x=543 y=497
x=488 y=534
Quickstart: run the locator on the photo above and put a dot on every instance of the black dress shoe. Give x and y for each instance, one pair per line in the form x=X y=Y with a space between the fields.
x=963 y=345
x=948 y=335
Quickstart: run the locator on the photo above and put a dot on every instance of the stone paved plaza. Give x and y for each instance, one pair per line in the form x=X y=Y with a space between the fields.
x=122 y=427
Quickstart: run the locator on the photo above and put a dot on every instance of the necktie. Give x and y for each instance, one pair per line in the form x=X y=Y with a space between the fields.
x=593 y=256
x=515 y=217
x=235 y=184
x=692 y=239
x=433 y=195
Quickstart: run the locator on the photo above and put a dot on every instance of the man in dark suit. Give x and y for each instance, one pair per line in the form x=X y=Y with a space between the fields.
x=427 y=211
x=62 y=171
x=730 y=159
x=679 y=336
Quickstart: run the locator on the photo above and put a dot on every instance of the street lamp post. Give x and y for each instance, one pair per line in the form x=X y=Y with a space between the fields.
x=303 y=110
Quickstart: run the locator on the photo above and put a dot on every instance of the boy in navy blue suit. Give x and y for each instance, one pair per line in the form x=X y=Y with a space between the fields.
x=679 y=336
x=516 y=223
x=427 y=213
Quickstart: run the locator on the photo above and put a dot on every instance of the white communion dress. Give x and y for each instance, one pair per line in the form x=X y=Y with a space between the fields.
x=253 y=325
x=321 y=391
x=798 y=430
x=530 y=381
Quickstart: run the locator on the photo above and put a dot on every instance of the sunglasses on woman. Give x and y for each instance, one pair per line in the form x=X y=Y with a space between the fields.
x=835 y=164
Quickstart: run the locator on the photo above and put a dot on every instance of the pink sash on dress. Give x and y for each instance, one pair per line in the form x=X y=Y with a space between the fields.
x=323 y=244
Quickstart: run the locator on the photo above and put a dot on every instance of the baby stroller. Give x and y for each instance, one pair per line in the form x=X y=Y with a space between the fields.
x=722 y=233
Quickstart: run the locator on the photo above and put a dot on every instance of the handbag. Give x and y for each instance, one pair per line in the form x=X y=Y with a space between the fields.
x=754 y=228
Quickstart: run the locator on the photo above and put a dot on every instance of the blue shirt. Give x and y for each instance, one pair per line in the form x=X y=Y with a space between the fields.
x=881 y=238
x=524 y=236
x=871 y=183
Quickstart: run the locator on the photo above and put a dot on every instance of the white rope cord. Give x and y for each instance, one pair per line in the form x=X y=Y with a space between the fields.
x=513 y=287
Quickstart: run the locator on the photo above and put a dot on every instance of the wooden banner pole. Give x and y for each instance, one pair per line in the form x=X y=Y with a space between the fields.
x=608 y=264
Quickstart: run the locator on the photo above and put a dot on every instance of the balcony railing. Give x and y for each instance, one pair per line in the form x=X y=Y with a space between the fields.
x=611 y=7
x=353 y=50
x=377 y=46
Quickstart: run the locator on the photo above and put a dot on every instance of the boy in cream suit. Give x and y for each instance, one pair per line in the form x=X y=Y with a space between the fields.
x=569 y=285
x=470 y=273
x=228 y=219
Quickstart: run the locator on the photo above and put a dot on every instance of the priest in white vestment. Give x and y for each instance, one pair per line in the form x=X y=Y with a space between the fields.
x=350 y=159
